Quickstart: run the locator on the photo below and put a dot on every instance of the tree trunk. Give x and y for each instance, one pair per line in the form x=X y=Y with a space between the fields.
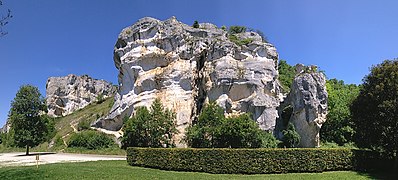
x=27 y=149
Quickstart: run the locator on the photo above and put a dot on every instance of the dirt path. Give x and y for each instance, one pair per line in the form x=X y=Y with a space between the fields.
x=20 y=159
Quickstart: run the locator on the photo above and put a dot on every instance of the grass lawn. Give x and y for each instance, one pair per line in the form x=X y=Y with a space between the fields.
x=121 y=170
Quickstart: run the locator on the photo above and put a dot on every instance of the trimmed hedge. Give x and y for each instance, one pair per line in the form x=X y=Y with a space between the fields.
x=252 y=161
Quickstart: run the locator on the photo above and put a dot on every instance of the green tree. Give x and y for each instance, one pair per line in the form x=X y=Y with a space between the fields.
x=375 y=110
x=214 y=130
x=195 y=24
x=339 y=128
x=236 y=29
x=291 y=138
x=205 y=131
x=243 y=132
x=286 y=75
x=150 y=128
x=30 y=129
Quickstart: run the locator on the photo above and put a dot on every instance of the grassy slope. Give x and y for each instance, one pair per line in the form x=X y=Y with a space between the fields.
x=63 y=127
x=120 y=170
x=90 y=113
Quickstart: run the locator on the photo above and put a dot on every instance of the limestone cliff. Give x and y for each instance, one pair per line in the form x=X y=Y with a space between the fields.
x=308 y=98
x=186 y=67
x=67 y=94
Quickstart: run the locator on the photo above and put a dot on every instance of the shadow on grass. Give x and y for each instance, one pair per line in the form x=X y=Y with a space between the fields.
x=380 y=175
x=34 y=154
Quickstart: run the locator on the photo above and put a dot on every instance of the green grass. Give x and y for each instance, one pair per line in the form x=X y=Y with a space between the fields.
x=88 y=114
x=120 y=170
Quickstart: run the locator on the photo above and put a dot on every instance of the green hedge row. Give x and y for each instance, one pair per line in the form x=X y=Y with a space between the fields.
x=252 y=161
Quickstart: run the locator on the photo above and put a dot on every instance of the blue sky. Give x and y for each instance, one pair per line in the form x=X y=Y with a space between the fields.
x=55 y=38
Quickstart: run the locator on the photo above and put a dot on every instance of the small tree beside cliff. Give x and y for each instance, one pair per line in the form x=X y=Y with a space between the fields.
x=150 y=128
x=28 y=126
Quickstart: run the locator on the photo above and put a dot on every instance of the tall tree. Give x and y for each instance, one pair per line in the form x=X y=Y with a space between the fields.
x=286 y=75
x=375 y=110
x=339 y=126
x=30 y=129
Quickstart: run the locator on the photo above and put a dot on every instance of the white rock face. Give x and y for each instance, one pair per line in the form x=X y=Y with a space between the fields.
x=187 y=67
x=309 y=101
x=65 y=95
x=6 y=128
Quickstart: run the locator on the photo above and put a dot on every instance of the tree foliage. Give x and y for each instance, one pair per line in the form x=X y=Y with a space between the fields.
x=4 y=19
x=150 y=128
x=291 y=138
x=195 y=24
x=375 y=110
x=339 y=128
x=28 y=126
x=286 y=75
x=236 y=29
x=90 y=139
x=214 y=130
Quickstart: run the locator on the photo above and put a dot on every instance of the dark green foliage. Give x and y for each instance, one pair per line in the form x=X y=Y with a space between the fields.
x=91 y=140
x=83 y=125
x=100 y=99
x=236 y=29
x=286 y=75
x=339 y=128
x=195 y=24
x=253 y=161
x=205 y=131
x=214 y=130
x=224 y=28
x=1 y=137
x=375 y=110
x=291 y=138
x=243 y=132
x=58 y=141
x=240 y=42
x=30 y=129
x=154 y=128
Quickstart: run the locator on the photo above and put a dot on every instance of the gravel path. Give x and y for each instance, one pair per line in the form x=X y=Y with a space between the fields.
x=20 y=159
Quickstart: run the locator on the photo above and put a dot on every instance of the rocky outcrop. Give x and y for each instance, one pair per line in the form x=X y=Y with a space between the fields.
x=186 y=67
x=6 y=128
x=308 y=98
x=65 y=95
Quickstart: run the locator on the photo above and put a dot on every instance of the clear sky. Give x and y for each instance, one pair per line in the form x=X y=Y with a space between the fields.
x=56 y=38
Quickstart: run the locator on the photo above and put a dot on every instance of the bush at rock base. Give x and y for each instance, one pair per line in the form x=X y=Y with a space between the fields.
x=255 y=161
x=90 y=140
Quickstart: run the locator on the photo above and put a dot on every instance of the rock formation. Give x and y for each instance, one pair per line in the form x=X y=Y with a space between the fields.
x=186 y=67
x=65 y=95
x=6 y=128
x=308 y=98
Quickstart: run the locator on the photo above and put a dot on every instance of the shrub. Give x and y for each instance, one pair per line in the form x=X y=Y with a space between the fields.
x=236 y=29
x=291 y=138
x=83 y=125
x=154 y=128
x=240 y=42
x=195 y=24
x=214 y=130
x=255 y=161
x=90 y=140
x=100 y=98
